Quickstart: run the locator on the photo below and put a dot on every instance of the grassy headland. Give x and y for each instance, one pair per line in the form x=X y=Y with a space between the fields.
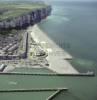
x=21 y=15
x=9 y=10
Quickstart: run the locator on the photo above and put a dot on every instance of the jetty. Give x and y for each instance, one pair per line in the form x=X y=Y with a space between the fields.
x=89 y=74
x=34 y=90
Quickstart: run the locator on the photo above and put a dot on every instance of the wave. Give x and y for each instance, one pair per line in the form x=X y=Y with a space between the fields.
x=58 y=19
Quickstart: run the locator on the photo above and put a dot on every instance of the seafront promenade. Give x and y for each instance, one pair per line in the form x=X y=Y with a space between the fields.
x=56 y=55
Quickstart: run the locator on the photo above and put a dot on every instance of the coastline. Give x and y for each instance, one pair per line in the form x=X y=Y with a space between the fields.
x=56 y=55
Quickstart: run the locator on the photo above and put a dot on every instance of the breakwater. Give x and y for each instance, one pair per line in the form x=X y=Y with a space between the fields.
x=56 y=93
x=26 y=20
x=34 y=90
x=91 y=74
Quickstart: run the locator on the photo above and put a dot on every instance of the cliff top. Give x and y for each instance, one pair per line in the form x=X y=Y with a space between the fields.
x=13 y=10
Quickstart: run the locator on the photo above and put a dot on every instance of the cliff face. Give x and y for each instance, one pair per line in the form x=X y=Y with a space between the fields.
x=27 y=19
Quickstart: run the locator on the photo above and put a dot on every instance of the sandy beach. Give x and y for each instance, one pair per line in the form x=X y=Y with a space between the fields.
x=56 y=55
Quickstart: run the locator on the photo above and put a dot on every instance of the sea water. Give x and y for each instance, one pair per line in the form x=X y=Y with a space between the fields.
x=73 y=26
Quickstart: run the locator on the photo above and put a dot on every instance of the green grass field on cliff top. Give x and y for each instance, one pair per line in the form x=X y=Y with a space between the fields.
x=9 y=11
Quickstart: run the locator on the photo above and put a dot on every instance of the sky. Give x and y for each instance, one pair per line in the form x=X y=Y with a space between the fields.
x=52 y=0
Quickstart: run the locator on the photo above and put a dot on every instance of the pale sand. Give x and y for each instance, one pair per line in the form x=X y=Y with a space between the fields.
x=56 y=55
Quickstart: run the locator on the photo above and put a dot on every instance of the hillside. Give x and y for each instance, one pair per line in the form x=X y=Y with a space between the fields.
x=21 y=15
x=9 y=10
